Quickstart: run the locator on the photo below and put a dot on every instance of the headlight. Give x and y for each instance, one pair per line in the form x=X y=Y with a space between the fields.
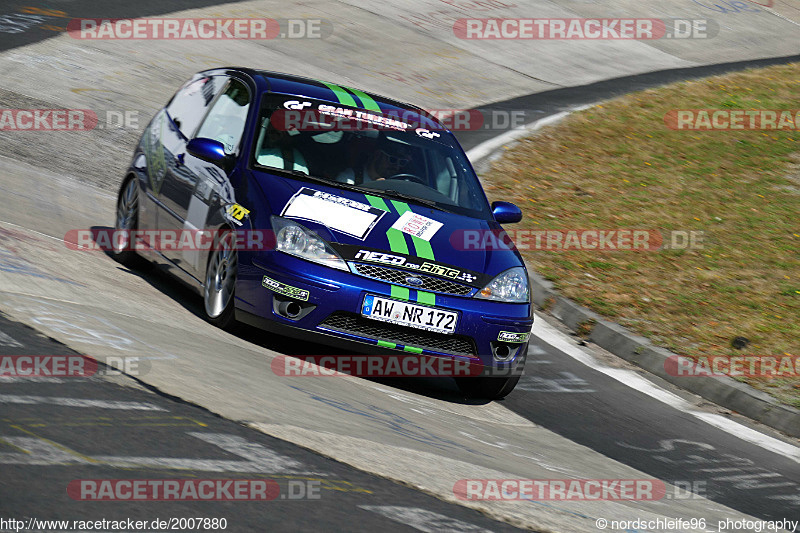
x=510 y=286
x=294 y=239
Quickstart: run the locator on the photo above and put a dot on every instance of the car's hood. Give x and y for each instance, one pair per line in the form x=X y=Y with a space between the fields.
x=358 y=221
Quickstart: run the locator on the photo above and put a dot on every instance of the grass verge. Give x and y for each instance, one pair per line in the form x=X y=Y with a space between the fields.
x=618 y=166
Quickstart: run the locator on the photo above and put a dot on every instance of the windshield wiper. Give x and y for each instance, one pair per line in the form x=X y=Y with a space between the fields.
x=411 y=198
x=299 y=174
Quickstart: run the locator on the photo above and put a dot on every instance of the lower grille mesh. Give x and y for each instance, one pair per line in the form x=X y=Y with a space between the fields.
x=373 y=329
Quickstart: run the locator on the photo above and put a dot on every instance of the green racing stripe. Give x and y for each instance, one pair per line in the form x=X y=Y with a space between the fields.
x=423 y=249
x=427 y=298
x=409 y=349
x=344 y=97
x=401 y=293
x=366 y=99
x=397 y=243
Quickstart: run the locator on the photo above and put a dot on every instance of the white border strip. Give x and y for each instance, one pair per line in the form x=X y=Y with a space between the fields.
x=486 y=148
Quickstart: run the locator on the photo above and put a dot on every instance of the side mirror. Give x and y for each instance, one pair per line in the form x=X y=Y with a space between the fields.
x=207 y=150
x=506 y=212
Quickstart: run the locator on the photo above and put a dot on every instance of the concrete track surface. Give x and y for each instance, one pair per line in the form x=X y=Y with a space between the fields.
x=578 y=414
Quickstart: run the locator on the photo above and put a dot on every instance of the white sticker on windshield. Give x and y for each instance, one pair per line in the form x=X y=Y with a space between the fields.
x=337 y=212
x=417 y=225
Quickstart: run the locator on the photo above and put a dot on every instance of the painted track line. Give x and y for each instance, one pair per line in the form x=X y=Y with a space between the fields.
x=548 y=334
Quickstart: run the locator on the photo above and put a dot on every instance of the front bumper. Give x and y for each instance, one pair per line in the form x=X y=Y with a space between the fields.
x=330 y=310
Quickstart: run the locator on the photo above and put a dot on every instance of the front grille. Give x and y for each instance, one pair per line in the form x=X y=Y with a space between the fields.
x=398 y=277
x=383 y=331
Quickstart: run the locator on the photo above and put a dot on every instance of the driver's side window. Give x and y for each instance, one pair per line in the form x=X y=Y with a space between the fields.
x=226 y=120
x=189 y=105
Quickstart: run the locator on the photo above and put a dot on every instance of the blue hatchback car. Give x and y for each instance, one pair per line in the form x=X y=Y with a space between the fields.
x=366 y=199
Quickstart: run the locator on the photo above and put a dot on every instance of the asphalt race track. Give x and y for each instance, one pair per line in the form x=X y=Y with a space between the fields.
x=343 y=453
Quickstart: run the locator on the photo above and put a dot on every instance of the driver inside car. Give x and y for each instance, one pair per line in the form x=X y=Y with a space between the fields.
x=383 y=162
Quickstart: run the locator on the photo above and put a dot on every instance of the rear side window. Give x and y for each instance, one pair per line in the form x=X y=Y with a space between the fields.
x=189 y=105
x=225 y=122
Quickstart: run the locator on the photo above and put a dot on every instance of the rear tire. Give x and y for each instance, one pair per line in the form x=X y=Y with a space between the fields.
x=218 y=290
x=127 y=220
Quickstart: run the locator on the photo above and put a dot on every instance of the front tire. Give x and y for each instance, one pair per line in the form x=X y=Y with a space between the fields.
x=127 y=220
x=218 y=290
x=493 y=388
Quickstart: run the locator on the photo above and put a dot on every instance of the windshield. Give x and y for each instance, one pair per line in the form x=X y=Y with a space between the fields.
x=388 y=155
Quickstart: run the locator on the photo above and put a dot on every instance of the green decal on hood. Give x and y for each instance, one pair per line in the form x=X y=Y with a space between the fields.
x=397 y=243
x=422 y=248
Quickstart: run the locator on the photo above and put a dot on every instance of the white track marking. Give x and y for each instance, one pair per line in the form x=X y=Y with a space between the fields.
x=7 y=340
x=38 y=452
x=556 y=339
x=83 y=327
x=30 y=379
x=256 y=458
x=39 y=233
x=486 y=148
x=78 y=402
x=567 y=383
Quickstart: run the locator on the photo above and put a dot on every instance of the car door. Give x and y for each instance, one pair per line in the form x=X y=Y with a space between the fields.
x=181 y=118
x=204 y=186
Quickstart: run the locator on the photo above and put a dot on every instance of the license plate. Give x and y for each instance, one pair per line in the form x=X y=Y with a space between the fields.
x=408 y=314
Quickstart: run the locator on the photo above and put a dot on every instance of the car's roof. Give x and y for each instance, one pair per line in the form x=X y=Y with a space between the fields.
x=283 y=83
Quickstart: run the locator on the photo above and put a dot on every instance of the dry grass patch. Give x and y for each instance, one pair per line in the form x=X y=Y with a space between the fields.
x=617 y=165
